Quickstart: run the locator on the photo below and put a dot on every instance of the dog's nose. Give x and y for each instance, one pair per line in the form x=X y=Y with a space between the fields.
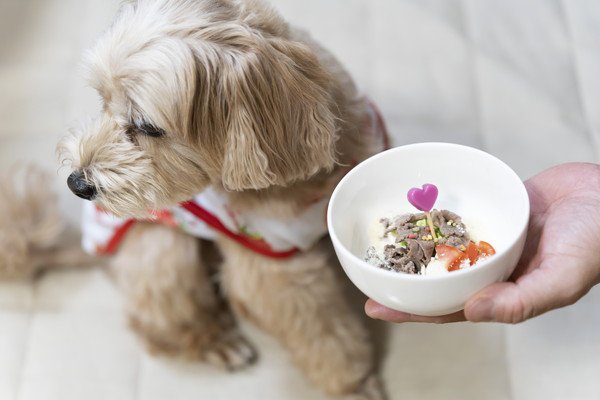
x=78 y=185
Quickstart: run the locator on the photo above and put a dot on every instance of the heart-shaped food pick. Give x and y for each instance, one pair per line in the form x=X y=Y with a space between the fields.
x=424 y=200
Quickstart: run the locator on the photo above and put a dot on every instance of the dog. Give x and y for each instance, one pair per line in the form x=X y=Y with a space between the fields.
x=33 y=235
x=223 y=97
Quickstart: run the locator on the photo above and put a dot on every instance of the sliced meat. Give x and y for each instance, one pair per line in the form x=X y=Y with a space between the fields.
x=415 y=250
x=419 y=251
x=428 y=247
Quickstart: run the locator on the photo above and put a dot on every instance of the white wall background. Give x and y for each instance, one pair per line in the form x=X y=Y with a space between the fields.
x=518 y=78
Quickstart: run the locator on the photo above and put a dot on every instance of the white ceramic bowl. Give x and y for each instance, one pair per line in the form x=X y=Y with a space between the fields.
x=477 y=186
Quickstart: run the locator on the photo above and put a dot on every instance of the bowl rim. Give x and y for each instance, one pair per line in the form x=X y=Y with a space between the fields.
x=487 y=263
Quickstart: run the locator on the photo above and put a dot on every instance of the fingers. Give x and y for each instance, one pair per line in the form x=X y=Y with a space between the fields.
x=531 y=295
x=378 y=311
x=539 y=291
x=500 y=302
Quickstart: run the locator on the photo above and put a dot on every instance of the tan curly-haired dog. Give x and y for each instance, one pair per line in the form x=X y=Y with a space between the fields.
x=224 y=94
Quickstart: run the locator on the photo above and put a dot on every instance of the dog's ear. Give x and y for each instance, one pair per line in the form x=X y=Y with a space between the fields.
x=280 y=125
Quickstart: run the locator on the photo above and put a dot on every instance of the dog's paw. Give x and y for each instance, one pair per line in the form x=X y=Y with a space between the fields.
x=370 y=389
x=232 y=352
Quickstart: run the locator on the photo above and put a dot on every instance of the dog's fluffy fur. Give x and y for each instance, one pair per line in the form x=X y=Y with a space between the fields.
x=223 y=93
x=31 y=228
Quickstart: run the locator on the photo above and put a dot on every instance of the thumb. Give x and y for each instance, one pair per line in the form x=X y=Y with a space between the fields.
x=531 y=295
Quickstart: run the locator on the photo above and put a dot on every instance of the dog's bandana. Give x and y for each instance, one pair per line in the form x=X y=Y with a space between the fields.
x=209 y=214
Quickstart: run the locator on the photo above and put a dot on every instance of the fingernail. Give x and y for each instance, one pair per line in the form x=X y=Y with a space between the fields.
x=482 y=310
x=374 y=310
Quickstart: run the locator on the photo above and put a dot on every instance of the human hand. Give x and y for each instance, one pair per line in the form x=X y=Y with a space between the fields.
x=560 y=262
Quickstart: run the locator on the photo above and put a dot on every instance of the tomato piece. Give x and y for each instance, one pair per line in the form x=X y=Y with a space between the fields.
x=472 y=252
x=455 y=265
x=451 y=256
x=486 y=249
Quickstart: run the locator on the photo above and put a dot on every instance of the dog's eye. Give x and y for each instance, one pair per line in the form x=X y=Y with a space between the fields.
x=151 y=130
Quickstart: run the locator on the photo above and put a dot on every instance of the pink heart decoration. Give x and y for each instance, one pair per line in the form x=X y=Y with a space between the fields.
x=423 y=199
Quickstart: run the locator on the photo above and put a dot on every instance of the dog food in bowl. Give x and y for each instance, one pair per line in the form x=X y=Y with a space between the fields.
x=407 y=244
x=495 y=209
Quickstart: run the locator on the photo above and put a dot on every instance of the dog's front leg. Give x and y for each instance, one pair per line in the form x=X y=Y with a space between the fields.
x=170 y=300
x=300 y=301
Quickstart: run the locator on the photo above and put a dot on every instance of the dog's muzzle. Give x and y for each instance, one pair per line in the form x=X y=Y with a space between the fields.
x=78 y=185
